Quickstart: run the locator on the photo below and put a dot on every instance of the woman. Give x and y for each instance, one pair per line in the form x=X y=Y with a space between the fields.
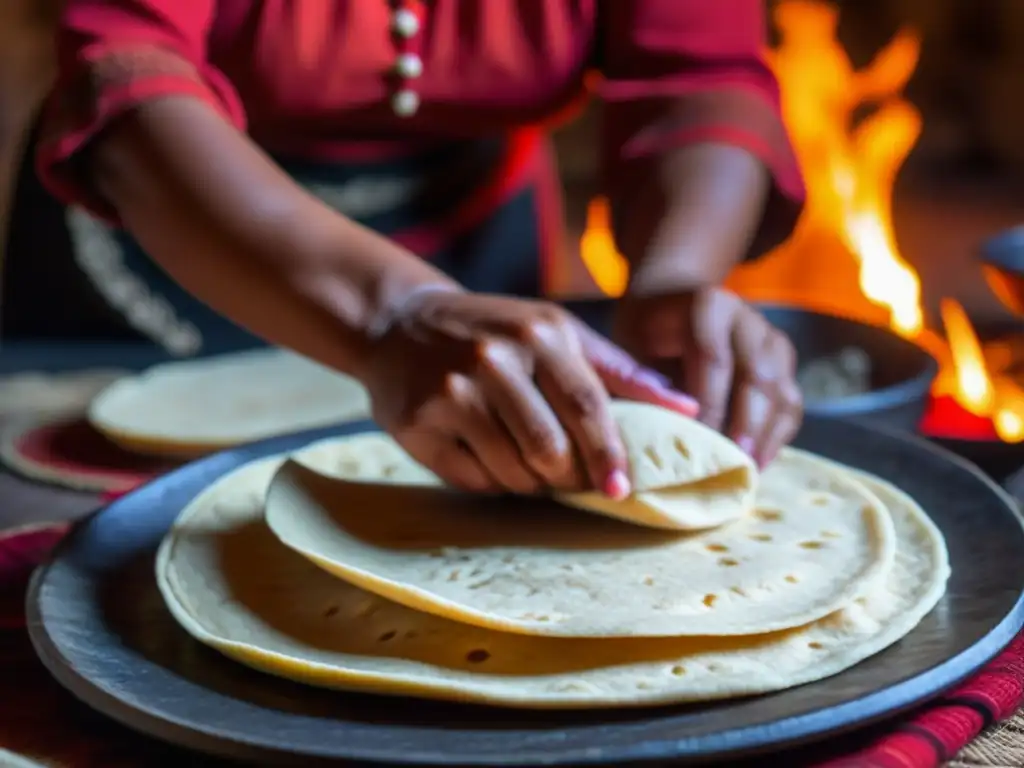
x=190 y=124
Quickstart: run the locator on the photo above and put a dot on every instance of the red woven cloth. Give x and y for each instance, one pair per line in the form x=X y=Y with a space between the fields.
x=39 y=719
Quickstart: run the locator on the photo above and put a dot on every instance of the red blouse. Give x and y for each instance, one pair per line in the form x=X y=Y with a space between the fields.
x=316 y=78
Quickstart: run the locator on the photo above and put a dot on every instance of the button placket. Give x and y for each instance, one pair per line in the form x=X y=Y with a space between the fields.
x=406 y=25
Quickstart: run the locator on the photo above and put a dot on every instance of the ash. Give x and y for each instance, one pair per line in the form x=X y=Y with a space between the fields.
x=844 y=374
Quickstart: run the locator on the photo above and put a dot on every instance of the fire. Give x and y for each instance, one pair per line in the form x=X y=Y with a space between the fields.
x=850 y=166
x=999 y=399
x=844 y=257
x=606 y=266
x=1008 y=418
x=973 y=385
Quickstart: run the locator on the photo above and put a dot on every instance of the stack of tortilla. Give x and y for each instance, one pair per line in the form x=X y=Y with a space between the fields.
x=349 y=566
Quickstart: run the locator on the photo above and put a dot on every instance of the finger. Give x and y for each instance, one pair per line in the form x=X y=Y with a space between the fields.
x=751 y=417
x=708 y=365
x=783 y=429
x=492 y=444
x=443 y=456
x=579 y=398
x=631 y=388
x=774 y=372
x=541 y=441
x=784 y=425
x=624 y=377
x=757 y=368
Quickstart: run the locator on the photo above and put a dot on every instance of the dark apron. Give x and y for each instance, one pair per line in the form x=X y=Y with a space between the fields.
x=499 y=252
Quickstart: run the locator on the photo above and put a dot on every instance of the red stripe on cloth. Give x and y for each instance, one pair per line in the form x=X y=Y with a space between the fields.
x=21 y=550
x=509 y=178
x=550 y=217
x=952 y=721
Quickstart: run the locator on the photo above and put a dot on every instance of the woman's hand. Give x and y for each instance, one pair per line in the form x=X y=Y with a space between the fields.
x=741 y=369
x=498 y=394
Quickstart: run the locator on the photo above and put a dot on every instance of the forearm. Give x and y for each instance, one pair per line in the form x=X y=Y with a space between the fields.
x=229 y=226
x=696 y=218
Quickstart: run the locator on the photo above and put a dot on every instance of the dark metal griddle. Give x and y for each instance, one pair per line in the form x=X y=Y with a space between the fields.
x=99 y=625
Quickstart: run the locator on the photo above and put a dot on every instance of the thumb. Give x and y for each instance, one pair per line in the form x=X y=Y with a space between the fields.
x=625 y=378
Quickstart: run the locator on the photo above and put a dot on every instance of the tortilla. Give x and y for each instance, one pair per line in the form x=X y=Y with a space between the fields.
x=232 y=586
x=531 y=566
x=190 y=408
x=369 y=456
x=685 y=475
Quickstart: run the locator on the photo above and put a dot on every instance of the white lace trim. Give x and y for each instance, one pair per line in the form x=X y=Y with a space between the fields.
x=99 y=256
x=362 y=198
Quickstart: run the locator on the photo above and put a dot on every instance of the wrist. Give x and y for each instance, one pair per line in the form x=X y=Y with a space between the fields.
x=365 y=282
x=671 y=272
x=692 y=227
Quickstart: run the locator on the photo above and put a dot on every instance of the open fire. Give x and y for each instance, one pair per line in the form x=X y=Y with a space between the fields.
x=843 y=257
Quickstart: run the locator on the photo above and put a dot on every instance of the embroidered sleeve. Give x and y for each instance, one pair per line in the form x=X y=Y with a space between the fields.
x=113 y=56
x=679 y=72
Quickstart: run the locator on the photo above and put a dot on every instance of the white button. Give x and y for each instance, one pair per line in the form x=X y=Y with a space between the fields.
x=405 y=22
x=405 y=103
x=409 y=65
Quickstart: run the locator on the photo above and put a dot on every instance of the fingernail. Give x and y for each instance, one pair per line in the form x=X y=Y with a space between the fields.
x=683 y=402
x=617 y=487
x=765 y=459
x=649 y=378
x=673 y=398
x=746 y=444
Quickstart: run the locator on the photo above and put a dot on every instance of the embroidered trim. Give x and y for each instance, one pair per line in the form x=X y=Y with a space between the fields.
x=729 y=107
x=99 y=256
x=78 y=102
x=362 y=198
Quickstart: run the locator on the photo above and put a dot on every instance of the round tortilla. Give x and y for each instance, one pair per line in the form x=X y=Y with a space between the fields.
x=685 y=475
x=194 y=407
x=531 y=566
x=234 y=587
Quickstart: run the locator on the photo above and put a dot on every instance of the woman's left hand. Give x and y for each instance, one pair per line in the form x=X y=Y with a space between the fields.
x=718 y=348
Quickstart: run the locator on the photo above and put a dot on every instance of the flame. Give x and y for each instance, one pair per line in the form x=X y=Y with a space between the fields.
x=844 y=257
x=606 y=266
x=1008 y=418
x=850 y=166
x=997 y=398
x=973 y=385
x=850 y=171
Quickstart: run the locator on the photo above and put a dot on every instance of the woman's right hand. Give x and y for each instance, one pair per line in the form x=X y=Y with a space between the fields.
x=496 y=394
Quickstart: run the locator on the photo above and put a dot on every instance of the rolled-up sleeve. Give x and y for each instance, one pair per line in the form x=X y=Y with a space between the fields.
x=679 y=72
x=114 y=55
